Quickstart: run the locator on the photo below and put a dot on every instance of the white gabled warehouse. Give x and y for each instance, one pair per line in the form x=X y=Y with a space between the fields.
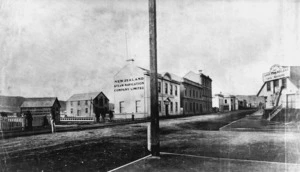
x=132 y=93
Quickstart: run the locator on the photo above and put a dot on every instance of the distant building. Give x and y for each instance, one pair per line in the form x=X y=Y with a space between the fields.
x=242 y=104
x=229 y=103
x=87 y=104
x=132 y=92
x=218 y=102
x=42 y=106
x=250 y=101
x=236 y=103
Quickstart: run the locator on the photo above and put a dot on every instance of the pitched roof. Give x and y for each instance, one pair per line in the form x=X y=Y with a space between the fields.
x=84 y=96
x=192 y=76
x=39 y=102
x=173 y=76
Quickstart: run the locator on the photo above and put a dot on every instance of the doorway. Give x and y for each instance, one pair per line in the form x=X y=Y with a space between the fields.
x=167 y=110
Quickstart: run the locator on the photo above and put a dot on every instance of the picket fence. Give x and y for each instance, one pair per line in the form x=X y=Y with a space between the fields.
x=19 y=123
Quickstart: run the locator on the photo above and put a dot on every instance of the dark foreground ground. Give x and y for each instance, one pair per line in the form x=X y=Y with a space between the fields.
x=108 y=148
x=182 y=163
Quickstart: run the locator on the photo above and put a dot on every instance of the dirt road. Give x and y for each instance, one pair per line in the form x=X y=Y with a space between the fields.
x=108 y=148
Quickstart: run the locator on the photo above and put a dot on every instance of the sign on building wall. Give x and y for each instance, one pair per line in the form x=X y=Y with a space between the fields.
x=277 y=72
x=129 y=84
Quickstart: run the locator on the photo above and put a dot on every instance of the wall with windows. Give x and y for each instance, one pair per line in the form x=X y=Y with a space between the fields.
x=229 y=103
x=129 y=91
x=132 y=93
x=271 y=90
x=286 y=78
x=168 y=95
x=78 y=108
x=87 y=108
x=192 y=97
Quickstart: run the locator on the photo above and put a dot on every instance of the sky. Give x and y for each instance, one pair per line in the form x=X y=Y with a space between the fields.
x=62 y=47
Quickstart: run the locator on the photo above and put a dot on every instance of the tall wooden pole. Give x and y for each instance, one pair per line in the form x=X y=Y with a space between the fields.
x=153 y=80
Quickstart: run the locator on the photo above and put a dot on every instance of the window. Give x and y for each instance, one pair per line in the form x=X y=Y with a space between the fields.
x=159 y=106
x=86 y=102
x=197 y=106
x=276 y=83
x=166 y=88
x=78 y=112
x=86 y=110
x=185 y=92
x=176 y=106
x=225 y=101
x=137 y=106
x=159 y=87
x=171 y=89
x=171 y=106
x=71 y=110
x=71 y=103
x=193 y=93
x=78 y=103
x=190 y=93
x=268 y=86
x=101 y=101
x=283 y=82
x=121 y=106
x=175 y=90
x=191 y=106
x=186 y=106
x=196 y=94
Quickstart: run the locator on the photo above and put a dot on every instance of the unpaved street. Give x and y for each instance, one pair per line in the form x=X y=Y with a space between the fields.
x=108 y=148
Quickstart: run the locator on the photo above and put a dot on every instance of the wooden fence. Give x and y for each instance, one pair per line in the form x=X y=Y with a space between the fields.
x=77 y=119
x=19 y=123
x=12 y=123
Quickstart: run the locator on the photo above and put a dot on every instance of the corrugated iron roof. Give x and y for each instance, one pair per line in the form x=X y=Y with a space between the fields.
x=39 y=102
x=84 y=96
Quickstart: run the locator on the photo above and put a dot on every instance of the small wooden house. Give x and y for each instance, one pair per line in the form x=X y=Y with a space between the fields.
x=42 y=106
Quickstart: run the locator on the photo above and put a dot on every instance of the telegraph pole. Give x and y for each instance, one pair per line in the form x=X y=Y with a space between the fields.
x=153 y=80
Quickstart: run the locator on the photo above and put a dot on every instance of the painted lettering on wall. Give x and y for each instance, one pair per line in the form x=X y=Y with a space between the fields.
x=129 y=84
x=276 y=72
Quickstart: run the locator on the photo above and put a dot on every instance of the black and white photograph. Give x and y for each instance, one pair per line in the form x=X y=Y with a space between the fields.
x=149 y=85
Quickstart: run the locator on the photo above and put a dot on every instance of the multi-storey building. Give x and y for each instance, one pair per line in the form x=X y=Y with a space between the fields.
x=87 y=104
x=191 y=96
x=207 y=93
x=132 y=92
